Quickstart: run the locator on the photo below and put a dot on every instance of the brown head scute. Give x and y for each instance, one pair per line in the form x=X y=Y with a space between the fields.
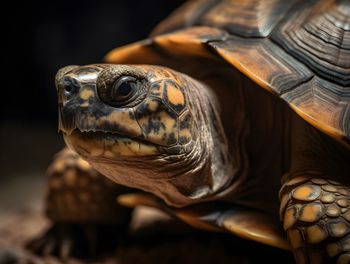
x=136 y=124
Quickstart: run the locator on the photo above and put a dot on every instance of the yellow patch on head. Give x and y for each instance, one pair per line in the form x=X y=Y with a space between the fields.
x=132 y=148
x=166 y=128
x=186 y=133
x=168 y=122
x=152 y=106
x=123 y=119
x=175 y=96
x=185 y=128
x=85 y=94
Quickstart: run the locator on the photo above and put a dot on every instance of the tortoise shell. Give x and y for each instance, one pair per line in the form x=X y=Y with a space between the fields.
x=297 y=50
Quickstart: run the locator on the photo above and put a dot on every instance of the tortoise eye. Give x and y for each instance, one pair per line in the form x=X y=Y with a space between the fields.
x=123 y=89
x=118 y=90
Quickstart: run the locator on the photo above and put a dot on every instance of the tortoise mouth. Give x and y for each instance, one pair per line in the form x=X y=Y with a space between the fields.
x=105 y=136
x=113 y=146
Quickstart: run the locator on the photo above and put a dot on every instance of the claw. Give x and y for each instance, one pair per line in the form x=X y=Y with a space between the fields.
x=91 y=239
x=49 y=247
x=36 y=244
x=66 y=249
x=71 y=240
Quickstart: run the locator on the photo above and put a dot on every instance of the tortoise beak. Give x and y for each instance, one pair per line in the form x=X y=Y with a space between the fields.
x=81 y=109
x=74 y=112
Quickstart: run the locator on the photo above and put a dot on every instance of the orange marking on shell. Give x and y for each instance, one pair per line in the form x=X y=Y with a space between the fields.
x=188 y=42
x=315 y=118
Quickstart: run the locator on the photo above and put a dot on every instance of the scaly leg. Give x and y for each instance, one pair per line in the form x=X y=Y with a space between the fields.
x=315 y=197
x=315 y=213
x=81 y=203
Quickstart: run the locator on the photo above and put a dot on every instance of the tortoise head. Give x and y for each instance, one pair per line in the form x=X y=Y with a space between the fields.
x=144 y=126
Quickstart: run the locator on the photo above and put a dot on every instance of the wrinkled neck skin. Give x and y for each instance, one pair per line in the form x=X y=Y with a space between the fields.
x=195 y=173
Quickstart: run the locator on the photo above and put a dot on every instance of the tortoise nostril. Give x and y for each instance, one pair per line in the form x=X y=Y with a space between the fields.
x=70 y=87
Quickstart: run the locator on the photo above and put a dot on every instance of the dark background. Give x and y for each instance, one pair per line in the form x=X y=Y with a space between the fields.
x=41 y=37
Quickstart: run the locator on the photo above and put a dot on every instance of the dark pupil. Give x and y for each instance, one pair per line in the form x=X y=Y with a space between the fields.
x=124 y=89
x=68 y=88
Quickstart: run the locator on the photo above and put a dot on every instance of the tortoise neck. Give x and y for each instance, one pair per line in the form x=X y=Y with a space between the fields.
x=256 y=124
x=204 y=169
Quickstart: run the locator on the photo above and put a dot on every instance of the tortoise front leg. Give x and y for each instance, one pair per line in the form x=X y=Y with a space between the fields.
x=315 y=213
x=315 y=196
x=81 y=204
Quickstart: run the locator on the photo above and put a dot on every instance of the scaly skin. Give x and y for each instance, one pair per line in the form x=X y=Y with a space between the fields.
x=81 y=204
x=315 y=197
x=316 y=216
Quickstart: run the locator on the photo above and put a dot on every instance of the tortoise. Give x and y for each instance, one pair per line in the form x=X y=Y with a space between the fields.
x=234 y=114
